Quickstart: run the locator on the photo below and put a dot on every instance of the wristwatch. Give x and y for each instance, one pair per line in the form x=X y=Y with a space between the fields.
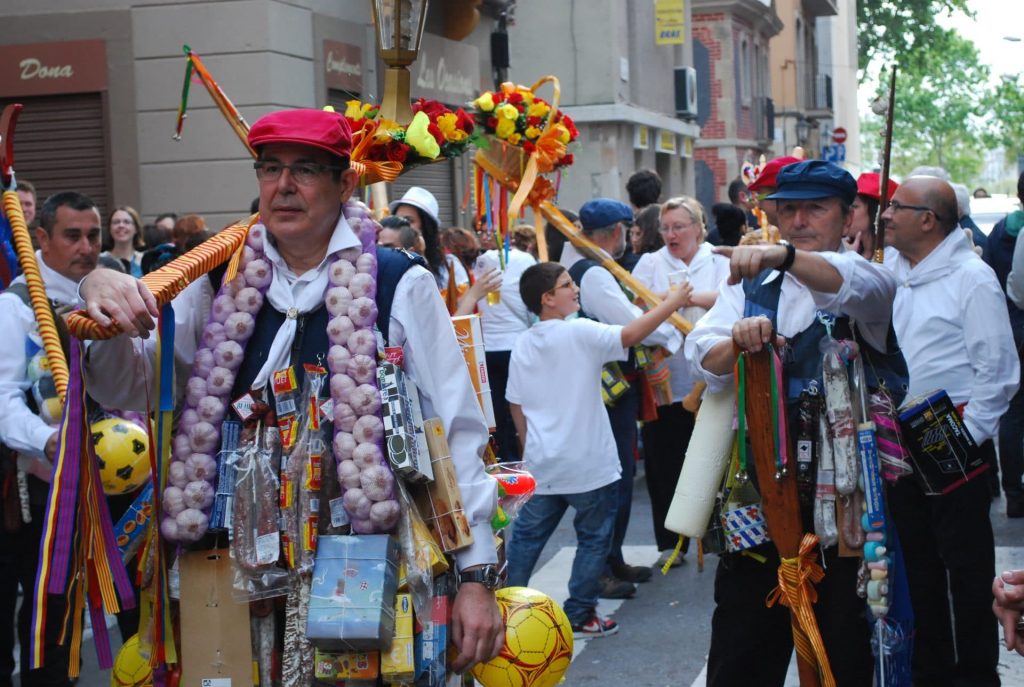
x=487 y=575
x=790 y=256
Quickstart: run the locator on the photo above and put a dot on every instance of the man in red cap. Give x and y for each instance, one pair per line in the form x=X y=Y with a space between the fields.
x=860 y=236
x=305 y=182
x=764 y=185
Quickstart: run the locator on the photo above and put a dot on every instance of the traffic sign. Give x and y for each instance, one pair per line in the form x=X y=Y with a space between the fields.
x=839 y=135
x=834 y=153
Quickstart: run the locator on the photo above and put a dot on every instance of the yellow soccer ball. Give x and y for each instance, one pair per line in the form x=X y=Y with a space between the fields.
x=131 y=668
x=122 y=450
x=538 y=642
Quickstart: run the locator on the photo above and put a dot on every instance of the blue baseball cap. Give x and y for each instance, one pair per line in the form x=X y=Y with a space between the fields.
x=604 y=212
x=813 y=179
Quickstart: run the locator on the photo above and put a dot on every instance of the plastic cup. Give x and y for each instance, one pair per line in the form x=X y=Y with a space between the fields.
x=677 y=279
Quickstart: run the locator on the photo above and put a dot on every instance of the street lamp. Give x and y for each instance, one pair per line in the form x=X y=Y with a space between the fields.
x=399 y=27
x=803 y=130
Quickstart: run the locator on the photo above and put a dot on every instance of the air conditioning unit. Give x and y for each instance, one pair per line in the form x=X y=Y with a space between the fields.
x=686 y=92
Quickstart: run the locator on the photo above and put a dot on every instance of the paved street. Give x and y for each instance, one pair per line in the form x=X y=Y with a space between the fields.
x=664 y=631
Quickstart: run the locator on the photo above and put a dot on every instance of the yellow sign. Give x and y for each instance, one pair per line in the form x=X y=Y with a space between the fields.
x=669 y=22
x=641 y=138
x=666 y=142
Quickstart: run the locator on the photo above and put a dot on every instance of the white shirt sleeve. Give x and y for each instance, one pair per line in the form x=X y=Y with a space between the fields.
x=604 y=340
x=120 y=371
x=1015 y=280
x=512 y=393
x=712 y=329
x=434 y=362
x=603 y=299
x=866 y=295
x=20 y=428
x=989 y=342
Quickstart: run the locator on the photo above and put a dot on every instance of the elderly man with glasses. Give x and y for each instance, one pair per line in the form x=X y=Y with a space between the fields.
x=795 y=295
x=951 y=319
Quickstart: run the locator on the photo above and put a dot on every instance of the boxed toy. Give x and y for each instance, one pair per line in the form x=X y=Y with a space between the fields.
x=431 y=641
x=403 y=424
x=352 y=599
x=397 y=665
x=471 y=339
x=346 y=665
x=940 y=446
x=440 y=502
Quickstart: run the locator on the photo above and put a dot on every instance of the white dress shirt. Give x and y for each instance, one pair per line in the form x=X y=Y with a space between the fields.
x=503 y=322
x=602 y=298
x=706 y=272
x=433 y=360
x=20 y=428
x=865 y=296
x=951 y=320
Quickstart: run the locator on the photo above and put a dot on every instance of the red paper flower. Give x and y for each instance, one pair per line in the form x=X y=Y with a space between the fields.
x=533 y=121
x=492 y=123
x=567 y=159
x=465 y=121
x=529 y=147
x=436 y=133
x=432 y=108
x=515 y=97
x=397 y=152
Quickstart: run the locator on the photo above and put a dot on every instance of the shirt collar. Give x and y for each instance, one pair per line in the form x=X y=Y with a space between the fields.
x=341 y=239
x=58 y=287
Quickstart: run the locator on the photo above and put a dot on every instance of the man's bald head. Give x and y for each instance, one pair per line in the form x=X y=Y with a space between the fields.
x=938 y=195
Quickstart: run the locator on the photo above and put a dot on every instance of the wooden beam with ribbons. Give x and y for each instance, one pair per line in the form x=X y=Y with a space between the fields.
x=883 y=200
x=27 y=255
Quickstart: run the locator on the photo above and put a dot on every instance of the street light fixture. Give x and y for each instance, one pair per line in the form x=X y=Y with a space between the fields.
x=803 y=130
x=399 y=28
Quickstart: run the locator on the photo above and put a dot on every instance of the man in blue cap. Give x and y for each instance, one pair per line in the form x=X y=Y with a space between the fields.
x=606 y=222
x=793 y=295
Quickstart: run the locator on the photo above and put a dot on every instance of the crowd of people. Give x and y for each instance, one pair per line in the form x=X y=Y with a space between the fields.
x=586 y=379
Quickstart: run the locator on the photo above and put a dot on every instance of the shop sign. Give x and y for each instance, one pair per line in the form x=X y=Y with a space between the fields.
x=52 y=68
x=343 y=66
x=446 y=71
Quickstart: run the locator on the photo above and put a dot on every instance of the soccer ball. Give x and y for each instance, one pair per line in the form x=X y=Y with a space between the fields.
x=131 y=668
x=538 y=642
x=122 y=451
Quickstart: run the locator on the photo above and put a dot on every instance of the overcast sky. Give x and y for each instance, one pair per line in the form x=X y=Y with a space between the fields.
x=994 y=20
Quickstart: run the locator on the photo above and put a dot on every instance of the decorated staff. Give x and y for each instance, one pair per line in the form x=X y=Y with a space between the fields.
x=884 y=195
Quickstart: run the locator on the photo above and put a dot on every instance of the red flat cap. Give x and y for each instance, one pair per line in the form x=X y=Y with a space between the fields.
x=318 y=128
x=869 y=184
x=766 y=179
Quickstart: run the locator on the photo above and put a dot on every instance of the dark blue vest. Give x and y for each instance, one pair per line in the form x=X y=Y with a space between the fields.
x=801 y=363
x=311 y=341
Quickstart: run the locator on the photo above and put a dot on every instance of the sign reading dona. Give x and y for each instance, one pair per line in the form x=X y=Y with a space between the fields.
x=49 y=68
x=447 y=71
x=343 y=66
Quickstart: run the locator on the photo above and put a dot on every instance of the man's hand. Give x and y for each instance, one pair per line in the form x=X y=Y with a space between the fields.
x=51 y=447
x=1008 y=590
x=112 y=297
x=750 y=261
x=478 y=630
x=752 y=333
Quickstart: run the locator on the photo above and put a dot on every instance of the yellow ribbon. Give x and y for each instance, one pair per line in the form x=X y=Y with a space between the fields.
x=797 y=593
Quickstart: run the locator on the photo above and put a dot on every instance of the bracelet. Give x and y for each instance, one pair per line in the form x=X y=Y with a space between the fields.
x=790 y=256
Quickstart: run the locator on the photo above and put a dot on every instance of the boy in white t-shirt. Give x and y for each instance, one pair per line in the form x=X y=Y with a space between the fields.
x=554 y=394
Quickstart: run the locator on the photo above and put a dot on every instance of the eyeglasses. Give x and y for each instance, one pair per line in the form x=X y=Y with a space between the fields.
x=304 y=173
x=676 y=228
x=564 y=285
x=897 y=206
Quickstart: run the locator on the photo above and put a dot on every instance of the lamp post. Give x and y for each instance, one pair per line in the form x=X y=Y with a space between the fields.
x=399 y=28
x=803 y=130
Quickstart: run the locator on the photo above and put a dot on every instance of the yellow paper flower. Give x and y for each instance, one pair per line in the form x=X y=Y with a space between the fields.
x=532 y=132
x=515 y=138
x=527 y=95
x=563 y=132
x=507 y=111
x=448 y=124
x=385 y=131
x=421 y=140
x=356 y=110
x=485 y=103
x=538 y=109
x=505 y=128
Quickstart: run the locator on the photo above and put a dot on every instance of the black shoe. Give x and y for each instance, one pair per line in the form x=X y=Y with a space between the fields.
x=1015 y=506
x=612 y=588
x=632 y=573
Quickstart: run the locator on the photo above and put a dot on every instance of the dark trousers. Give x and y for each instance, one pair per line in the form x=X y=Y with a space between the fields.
x=752 y=644
x=1011 y=448
x=665 y=442
x=504 y=428
x=950 y=555
x=623 y=416
x=19 y=560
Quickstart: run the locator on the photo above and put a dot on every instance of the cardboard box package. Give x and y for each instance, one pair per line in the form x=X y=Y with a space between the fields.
x=352 y=598
x=471 y=339
x=403 y=425
x=440 y=502
x=346 y=665
x=398 y=664
x=939 y=443
x=431 y=640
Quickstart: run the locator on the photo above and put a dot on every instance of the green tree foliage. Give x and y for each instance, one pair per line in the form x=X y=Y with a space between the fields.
x=940 y=101
x=1006 y=108
x=899 y=27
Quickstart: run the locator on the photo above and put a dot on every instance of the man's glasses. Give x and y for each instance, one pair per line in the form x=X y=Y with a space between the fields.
x=304 y=173
x=897 y=206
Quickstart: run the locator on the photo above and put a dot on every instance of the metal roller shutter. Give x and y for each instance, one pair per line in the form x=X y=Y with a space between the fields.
x=439 y=179
x=60 y=144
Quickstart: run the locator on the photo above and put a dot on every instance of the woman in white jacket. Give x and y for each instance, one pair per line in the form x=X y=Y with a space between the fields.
x=685 y=257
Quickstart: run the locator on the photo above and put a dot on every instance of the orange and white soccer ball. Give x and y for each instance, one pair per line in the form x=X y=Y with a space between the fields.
x=538 y=642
